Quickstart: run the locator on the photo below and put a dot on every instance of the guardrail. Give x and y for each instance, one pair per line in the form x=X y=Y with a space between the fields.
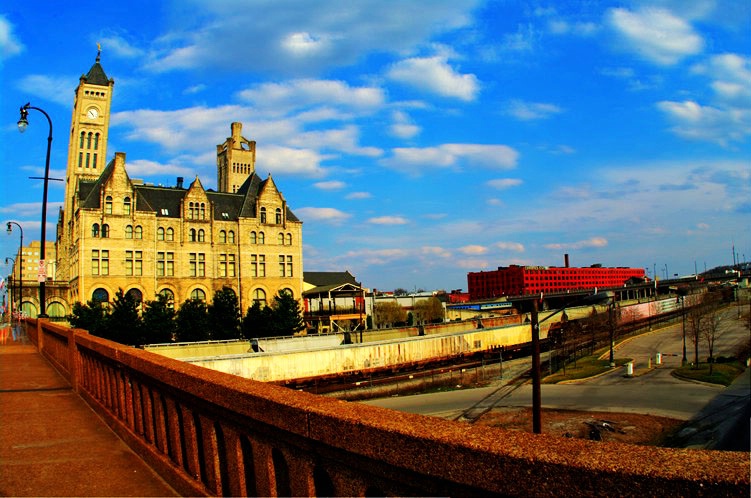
x=210 y=433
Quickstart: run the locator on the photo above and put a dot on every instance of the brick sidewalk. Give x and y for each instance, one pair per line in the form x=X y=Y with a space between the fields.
x=52 y=443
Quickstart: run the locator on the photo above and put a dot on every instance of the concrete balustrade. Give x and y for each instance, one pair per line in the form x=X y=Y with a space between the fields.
x=210 y=433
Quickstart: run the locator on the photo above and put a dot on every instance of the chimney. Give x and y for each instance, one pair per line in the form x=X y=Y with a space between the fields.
x=179 y=182
x=565 y=260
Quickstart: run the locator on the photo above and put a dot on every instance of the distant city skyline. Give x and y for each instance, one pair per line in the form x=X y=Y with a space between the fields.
x=417 y=141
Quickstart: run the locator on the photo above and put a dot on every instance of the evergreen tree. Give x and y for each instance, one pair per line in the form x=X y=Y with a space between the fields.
x=123 y=324
x=159 y=321
x=90 y=317
x=258 y=321
x=288 y=318
x=193 y=321
x=224 y=315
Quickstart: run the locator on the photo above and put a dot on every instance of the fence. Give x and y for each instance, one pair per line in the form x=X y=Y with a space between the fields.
x=211 y=433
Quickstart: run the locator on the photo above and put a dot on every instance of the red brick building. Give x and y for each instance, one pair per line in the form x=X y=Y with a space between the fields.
x=518 y=280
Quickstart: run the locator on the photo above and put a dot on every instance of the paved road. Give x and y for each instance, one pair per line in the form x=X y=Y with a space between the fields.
x=651 y=390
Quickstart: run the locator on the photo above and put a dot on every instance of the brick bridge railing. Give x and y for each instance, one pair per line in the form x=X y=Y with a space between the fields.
x=210 y=433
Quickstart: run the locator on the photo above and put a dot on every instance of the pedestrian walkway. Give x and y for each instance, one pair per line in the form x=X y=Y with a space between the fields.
x=52 y=443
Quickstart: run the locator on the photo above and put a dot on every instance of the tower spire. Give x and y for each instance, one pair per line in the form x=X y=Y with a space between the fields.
x=98 y=51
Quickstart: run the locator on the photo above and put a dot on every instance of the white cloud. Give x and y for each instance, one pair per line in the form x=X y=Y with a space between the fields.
x=388 y=220
x=473 y=250
x=292 y=37
x=655 y=34
x=142 y=168
x=510 y=246
x=453 y=155
x=326 y=215
x=504 y=183
x=57 y=89
x=730 y=74
x=593 y=242
x=338 y=139
x=358 y=195
x=402 y=126
x=120 y=47
x=330 y=185
x=529 y=111
x=434 y=75
x=305 y=93
x=696 y=122
x=9 y=44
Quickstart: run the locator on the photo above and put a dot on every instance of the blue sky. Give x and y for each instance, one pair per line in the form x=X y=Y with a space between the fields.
x=417 y=141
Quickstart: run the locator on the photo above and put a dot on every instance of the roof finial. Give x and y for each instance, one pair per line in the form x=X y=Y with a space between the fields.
x=98 y=51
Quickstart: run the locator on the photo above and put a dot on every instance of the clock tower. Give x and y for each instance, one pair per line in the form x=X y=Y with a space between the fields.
x=87 y=150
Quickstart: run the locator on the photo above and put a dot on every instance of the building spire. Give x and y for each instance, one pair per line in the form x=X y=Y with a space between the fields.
x=98 y=51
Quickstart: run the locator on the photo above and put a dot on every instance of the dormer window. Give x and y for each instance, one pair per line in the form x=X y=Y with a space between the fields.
x=165 y=212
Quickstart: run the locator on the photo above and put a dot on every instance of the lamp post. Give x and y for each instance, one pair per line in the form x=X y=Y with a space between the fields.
x=20 y=263
x=535 y=321
x=23 y=122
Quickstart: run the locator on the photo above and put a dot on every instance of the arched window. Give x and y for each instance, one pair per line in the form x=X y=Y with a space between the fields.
x=281 y=239
x=289 y=239
x=261 y=238
x=253 y=238
x=201 y=235
x=105 y=231
x=198 y=294
x=160 y=233
x=222 y=237
x=96 y=141
x=129 y=232
x=259 y=296
x=231 y=237
x=80 y=142
x=278 y=216
x=108 y=205
x=190 y=211
x=192 y=236
x=203 y=211
x=88 y=140
x=287 y=291
x=100 y=295
x=126 y=205
x=170 y=297
x=136 y=294
x=95 y=230
x=263 y=215
x=139 y=232
x=170 y=234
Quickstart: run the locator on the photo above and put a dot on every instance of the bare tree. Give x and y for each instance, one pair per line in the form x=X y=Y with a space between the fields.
x=710 y=326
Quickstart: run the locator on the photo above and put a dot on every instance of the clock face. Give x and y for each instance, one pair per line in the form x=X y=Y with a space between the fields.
x=92 y=113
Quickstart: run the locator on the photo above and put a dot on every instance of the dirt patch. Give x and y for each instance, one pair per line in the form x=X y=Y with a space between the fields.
x=630 y=428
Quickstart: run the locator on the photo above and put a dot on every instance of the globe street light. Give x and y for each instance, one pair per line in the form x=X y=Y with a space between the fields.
x=23 y=122
x=20 y=263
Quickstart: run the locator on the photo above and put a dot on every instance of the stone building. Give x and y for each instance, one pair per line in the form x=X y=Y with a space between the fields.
x=115 y=232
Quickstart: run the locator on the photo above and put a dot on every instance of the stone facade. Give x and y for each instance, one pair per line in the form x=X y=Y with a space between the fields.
x=120 y=233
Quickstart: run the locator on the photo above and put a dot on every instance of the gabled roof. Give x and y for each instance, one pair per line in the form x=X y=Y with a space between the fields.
x=345 y=289
x=166 y=201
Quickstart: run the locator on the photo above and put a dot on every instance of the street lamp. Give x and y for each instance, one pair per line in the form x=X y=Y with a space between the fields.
x=536 y=381
x=23 y=122
x=20 y=263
